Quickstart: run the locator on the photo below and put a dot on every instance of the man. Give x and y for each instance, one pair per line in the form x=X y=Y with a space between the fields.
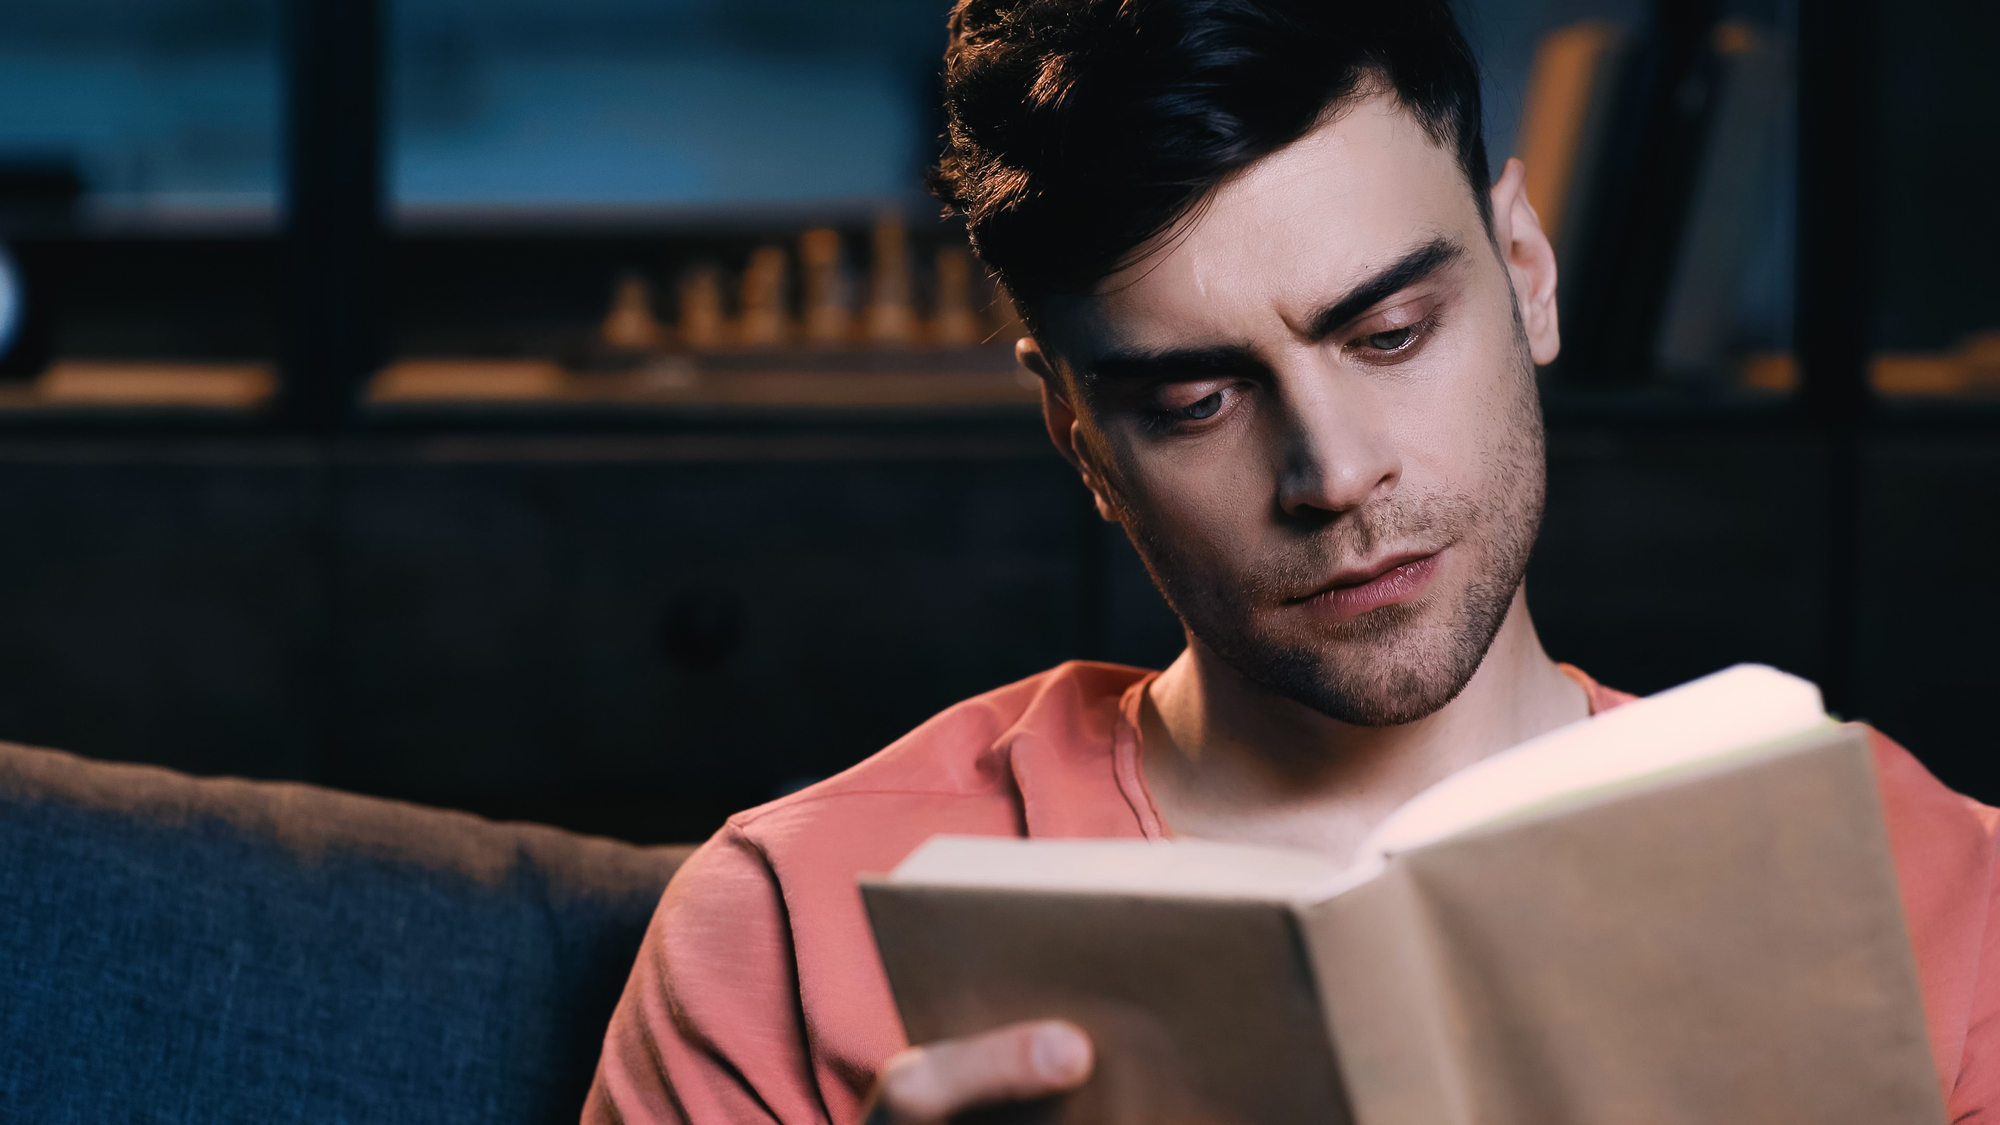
x=1286 y=334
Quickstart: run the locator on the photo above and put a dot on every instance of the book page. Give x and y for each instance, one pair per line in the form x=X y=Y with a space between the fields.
x=1175 y=868
x=1726 y=714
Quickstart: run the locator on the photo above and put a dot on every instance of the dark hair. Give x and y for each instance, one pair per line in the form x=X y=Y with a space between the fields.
x=1077 y=131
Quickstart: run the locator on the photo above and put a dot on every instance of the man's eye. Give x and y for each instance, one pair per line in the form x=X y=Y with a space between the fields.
x=1201 y=408
x=1171 y=419
x=1394 y=340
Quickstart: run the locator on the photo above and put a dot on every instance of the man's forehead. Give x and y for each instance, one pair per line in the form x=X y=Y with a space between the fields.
x=1279 y=240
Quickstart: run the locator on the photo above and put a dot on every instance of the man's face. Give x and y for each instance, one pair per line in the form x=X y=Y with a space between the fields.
x=1314 y=413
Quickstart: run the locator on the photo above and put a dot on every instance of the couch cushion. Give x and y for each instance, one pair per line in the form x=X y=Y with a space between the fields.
x=215 y=950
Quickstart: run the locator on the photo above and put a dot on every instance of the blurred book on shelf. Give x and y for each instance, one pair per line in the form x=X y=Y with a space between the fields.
x=1702 y=325
x=1655 y=159
x=1563 y=118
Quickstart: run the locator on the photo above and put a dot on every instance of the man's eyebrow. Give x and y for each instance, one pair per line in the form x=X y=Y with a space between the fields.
x=1406 y=271
x=1190 y=363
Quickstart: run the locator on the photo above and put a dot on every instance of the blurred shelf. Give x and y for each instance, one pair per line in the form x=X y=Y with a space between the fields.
x=833 y=380
x=86 y=385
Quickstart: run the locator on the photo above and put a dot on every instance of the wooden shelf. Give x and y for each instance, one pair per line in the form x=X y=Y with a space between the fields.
x=773 y=380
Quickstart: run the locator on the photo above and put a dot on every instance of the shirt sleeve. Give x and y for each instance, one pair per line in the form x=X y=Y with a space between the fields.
x=1975 y=1096
x=709 y=1028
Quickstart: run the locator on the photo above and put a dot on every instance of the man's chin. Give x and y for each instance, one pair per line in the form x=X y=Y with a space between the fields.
x=1396 y=668
x=1375 y=697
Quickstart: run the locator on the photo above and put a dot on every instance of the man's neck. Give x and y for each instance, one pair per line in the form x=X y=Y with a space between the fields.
x=1226 y=759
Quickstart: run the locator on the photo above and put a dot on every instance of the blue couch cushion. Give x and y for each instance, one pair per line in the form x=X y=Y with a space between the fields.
x=182 y=950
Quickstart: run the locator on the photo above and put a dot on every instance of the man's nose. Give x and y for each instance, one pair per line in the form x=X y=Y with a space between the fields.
x=1336 y=452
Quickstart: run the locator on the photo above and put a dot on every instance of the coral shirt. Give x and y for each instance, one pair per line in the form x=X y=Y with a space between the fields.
x=758 y=995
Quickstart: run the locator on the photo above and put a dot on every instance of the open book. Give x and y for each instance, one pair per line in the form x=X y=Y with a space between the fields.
x=1683 y=910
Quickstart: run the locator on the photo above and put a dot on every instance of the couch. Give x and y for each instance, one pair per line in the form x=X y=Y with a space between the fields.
x=175 y=949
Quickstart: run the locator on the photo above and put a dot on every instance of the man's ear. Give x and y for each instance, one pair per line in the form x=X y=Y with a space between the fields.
x=1065 y=428
x=1531 y=261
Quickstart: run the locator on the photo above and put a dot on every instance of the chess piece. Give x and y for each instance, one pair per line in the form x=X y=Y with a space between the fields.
x=891 y=321
x=826 y=315
x=630 y=325
x=764 y=324
x=701 y=307
x=957 y=323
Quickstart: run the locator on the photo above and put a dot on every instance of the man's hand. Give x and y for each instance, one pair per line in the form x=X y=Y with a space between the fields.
x=925 y=1085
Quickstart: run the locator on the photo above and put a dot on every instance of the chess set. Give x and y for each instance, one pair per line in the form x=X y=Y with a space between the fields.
x=795 y=323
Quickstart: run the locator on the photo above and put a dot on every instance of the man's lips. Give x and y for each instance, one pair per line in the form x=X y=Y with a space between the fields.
x=1399 y=578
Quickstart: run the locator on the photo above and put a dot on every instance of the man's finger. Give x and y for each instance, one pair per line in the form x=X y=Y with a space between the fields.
x=1014 y=1063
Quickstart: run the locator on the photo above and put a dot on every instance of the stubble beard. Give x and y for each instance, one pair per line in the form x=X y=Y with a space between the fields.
x=1401 y=662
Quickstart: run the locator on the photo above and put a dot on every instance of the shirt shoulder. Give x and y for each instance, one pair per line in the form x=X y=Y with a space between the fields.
x=1945 y=846
x=968 y=771
x=964 y=749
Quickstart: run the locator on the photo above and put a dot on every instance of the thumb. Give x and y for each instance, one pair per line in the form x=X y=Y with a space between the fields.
x=1014 y=1063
